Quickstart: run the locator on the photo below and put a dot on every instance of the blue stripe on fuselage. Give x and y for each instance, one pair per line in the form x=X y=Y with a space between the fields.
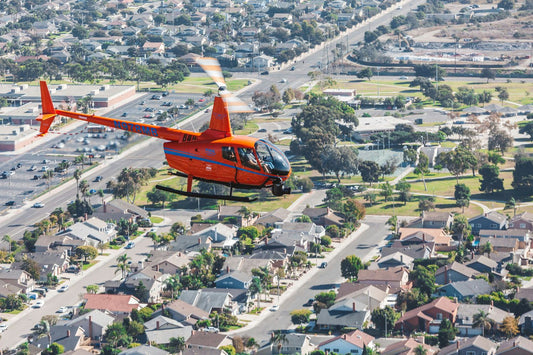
x=186 y=155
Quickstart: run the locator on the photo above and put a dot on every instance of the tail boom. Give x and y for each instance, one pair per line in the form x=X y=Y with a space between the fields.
x=48 y=111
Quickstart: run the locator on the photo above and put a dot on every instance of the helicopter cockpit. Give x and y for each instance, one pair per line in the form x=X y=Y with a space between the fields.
x=271 y=158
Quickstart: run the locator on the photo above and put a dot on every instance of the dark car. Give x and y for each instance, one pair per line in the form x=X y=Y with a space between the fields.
x=292 y=68
x=10 y=203
x=265 y=72
x=98 y=178
x=262 y=130
x=309 y=302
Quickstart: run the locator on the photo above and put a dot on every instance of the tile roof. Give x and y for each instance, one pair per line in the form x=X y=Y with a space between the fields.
x=357 y=338
x=406 y=347
x=112 y=303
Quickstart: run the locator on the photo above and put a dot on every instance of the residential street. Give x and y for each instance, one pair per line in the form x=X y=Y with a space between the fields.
x=364 y=245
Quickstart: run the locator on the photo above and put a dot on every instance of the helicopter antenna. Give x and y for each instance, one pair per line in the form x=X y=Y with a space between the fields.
x=211 y=67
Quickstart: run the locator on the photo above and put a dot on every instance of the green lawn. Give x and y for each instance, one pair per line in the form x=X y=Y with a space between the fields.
x=411 y=208
x=155 y=219
x=89 y=264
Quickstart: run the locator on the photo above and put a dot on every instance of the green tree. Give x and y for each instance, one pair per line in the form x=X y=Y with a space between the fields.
x=31 y=267
x=384 y=319
x=300 y=316
x=487 y=248
x=176 y=345
x=158 y=196
x=365 y=73
x=482 y=320
x=423 y=279
x=446 y=332
x=386 y=190
x=54 y=349
x=420 y=350
x=86 y=252
x=370 y=171
x=490 y=181
x=404 y=187
x=354 y=210
x=523 y=175
x=92 y=289
x=511 y=204
x=350 y=267
x=177 y=229
x=116 y=335
x=462 y=196
x=527 y=128
x=488 y=73
x=460 y=226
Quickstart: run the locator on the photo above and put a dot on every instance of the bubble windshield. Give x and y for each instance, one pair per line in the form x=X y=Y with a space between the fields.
x=271 y=158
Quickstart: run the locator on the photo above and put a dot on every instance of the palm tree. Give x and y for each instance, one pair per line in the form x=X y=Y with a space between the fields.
x=123 y=258
x=487 y=248
x=420 y=350
x=511 y=204
x=481 y=319
x=122 y=267
x=84 y=186
x=77 y=176
x=279 y=338
x=172 y=284
x=6 y=238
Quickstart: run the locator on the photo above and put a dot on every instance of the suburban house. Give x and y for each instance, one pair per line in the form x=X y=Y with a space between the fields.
x=51 y=262
x=188 y=243
x=144 y=350
x=272 y=218
x=167 y=262
x=424 y=235
x=202 y=340
x=466 y=289
x=350 y=343
x=501 y=245
x=94 y=323
x=342 y=314
x=70 y=337
x=483 y=264
x=490 y=220
x=234 y=279
x=428 y=317
x=394 y=260
x=453 y=273
x=17 y=278
x=364 y=296
x=522 y=221
x=160 y=329
x=523 y=235
x=430 y=219
x=515 y=346
x=236 y=215
x=184 y=312
x=415 y=251
x=407 y=347
x=221 y=235
x=324 y=216
x=117 y=209
x=396 y=278
x=208 y=301
x=298 y=234
x=466 y=313
x=57 y=243
x=293 y=344
x=116 y=304
x=151 y=279
x=93 y=231
x=477 y=345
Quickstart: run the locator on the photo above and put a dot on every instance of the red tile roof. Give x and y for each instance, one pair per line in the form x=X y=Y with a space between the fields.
x=112 y=303
x=357 y=338
x=442 y=303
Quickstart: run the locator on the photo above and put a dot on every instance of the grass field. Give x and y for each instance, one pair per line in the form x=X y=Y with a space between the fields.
x=518 y=92
x=411 y=208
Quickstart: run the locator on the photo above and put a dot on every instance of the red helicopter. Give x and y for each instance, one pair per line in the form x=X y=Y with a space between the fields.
x=214 y=155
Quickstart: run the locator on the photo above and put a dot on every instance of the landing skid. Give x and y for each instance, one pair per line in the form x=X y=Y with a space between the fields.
x=200 y=195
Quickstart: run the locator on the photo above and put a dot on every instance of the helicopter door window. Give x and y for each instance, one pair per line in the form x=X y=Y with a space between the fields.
x=228 y=153
x=247 y=157
x=265 y=158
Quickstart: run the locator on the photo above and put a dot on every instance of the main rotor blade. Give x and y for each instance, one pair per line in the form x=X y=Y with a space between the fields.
x=212 y=68
x=234 y=104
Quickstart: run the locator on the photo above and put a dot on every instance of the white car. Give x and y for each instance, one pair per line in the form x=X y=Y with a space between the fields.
x=62 y=309
x=38 y=205
x=403 y=78
x=3 y=327
x=63 y=288
x=211 y=330
x=274 y=308
x=38 y=304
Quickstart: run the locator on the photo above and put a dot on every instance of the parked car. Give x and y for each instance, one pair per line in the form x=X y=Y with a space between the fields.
x=274 y=308
x=10 y=203
x=265 y=72
x=130 y=245
x=63 y=288
x=262 y=130
x=211 y=330
x=62 y=309
x=323 y=265
x=98 y=178
x=309 y=302
x=32 y=168
x=38 y=304
x=3 y=327
x=38 y=205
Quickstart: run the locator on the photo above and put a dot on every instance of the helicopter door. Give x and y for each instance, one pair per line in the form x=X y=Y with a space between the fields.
x=228 y=154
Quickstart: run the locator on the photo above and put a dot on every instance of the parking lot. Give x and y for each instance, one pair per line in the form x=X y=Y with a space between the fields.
x=95 y=142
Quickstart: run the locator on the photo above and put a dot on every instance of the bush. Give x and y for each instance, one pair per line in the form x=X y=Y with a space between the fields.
x=300 y=316
x=431 y=340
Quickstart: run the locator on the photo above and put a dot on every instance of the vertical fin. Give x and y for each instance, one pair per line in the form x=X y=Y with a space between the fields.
x=220 y=117
x=48 y=111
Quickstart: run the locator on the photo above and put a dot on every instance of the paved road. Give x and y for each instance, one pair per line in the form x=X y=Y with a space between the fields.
x=20 y=325
x=364 y=246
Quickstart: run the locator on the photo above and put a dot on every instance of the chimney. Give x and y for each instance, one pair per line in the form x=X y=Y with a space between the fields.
x=68 y=333
x=401 y=258
x=179 y=254
x=157 y=325
x=446 y=280
x=344 y=336
x=284 y=250
x=424 y=237
x=266 y=241
x=457 y=343
x=491 y=303
x=105 y=207
x=90 y=327
x=353 y=306
x=199 y=240
x=227 y=269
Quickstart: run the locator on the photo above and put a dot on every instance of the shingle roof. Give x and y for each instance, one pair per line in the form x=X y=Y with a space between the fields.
x=187 y=310
x=347 y=319
x=357 y=338
x=503 y=233
x=458 y=267
x=162 y=336
x=482 y=259
x=480 y=342
x=163 y=322
x=392 y=274
x=470 y=288
x=519 y=342
x=524 y=215
x=237 y=275
x=406 y=347
x=442 y=303
x=144 y=350
x=466 y=312
x=213 y=340
x=97 y=317
x=499 y=242
x=204 y=300
x=492 y=216
x=347 y=288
